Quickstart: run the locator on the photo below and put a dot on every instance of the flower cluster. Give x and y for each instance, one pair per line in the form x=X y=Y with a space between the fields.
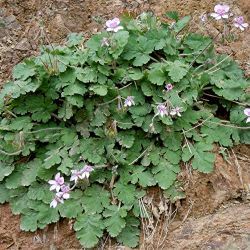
x=239 y=23
x=163 y=110
x=129 y=101
x=169 y=87
x=62 y=189
x=113 y=25
x=81 y=174
x=247 y=113
x=221 y=11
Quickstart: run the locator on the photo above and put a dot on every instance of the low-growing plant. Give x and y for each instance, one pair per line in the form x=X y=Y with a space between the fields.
x=99 y=121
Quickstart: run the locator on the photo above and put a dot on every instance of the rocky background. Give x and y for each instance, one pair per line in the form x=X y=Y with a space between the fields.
x=216 y=211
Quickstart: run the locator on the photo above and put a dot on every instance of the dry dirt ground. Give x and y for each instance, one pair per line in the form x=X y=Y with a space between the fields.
x=216 y=211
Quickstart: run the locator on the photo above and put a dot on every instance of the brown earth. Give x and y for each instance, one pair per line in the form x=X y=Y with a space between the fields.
x=216 y=212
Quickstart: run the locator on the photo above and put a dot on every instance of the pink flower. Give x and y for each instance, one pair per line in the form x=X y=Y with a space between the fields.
x=75 y=175
x=61 y=196
x=175 y=111
x=247 y=113
x=221 y=11
x=81 y=174
x=162 y=110
x=65 y=189
x=113 y=25
x=86 y=171
x=239 y=23
x=169 y=87
x=203 y=18
x=57 y=199
x=56 y=183
x=129 y=101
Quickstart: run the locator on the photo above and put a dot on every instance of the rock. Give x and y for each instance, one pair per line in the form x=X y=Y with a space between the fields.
x=10 y=19
x=23 y=45
x=220 y=230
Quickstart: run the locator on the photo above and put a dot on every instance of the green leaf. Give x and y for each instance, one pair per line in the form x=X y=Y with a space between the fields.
x=66 y=111
x=130 y=235
x=220 y=134
x=71 y=208
x=99 y=118
x=14 y=180
x=156 y=74
x=101 y=90
x=76 y=88
x=5 y=194
x=89 y=229
x=5 y=170
x=181 y=24
x=141 y=59
x=29 y=221
x=24 y=70
x=203 y=159
x=177 y=70
x=74 y=39
x=52 y=158
x=93 y=205
x=165 y=174
x=126 y=193
x=115 y=219
x=46 y=215
x=92 y=150
x=38 y=191
x=173 y=157
x=86 y=74
x=119 y=39
x=173 y=15
x=175 y=192
x=21 y=123
x=142 y=176
x=126 y=139
x=30 y=172
x=135 y=74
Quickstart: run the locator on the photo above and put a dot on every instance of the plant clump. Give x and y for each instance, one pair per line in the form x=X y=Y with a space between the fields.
x=88 y=126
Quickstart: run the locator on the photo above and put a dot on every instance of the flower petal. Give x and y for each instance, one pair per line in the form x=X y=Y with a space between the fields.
x=226 y=7
x=218 y=7
x=117 y=20
x=247 y=111
x=57 y=176
x=53 y=203
x=66 y=196
x=52 y=182
x=215 y=15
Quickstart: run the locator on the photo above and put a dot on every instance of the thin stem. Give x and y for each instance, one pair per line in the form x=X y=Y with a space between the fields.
x=142 y=154
x=230 y=126
x=101 y=104
x=124 y=87
x=10 y=154
x=217 y=64
x=187 y=142
x=43 y=129
x=198 y=125
x=240 y=103
x=208 y=45
x=9 y=112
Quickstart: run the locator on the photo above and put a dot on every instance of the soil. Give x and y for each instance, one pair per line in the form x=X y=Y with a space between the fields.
x=216 y=212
